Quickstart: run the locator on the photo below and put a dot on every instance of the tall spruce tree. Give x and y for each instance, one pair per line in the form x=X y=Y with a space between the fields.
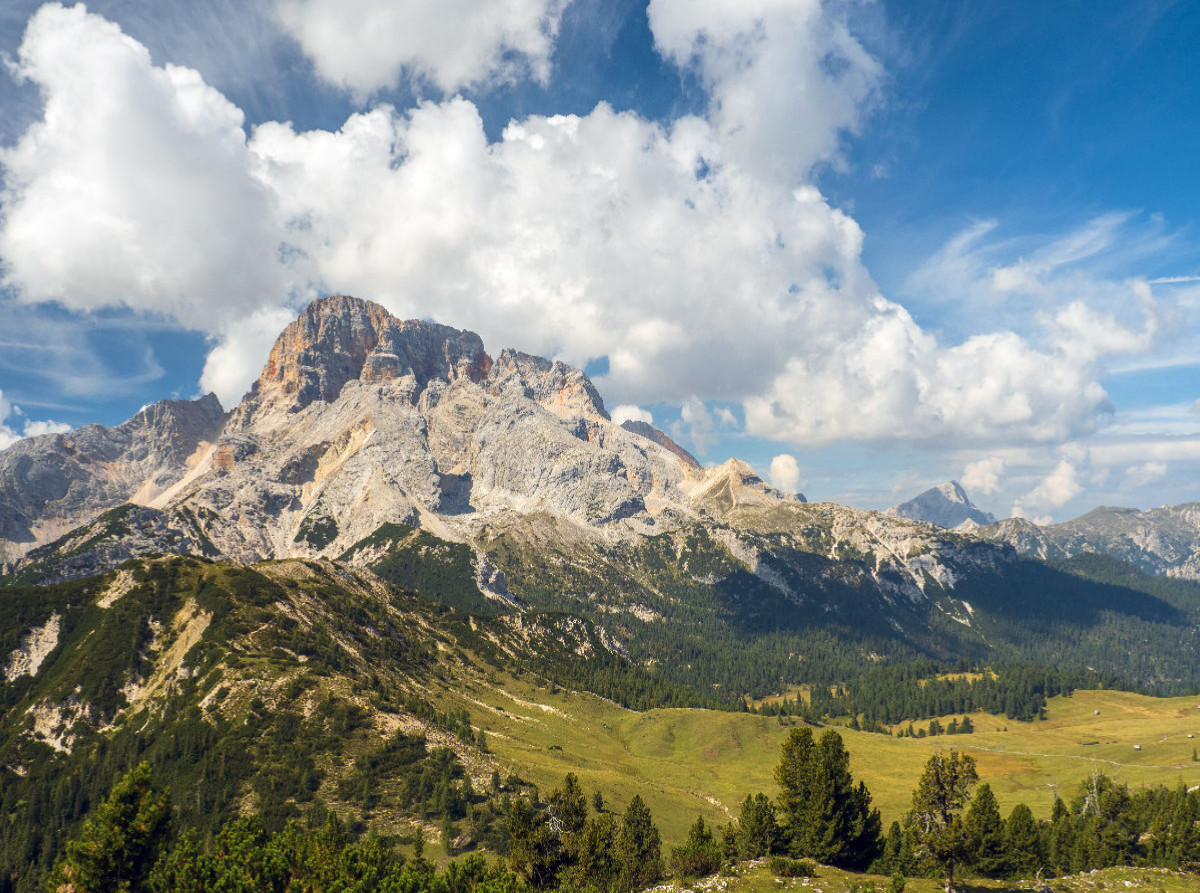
x=826 y=817
x=758 y=831
x=639 y=847
x=795 y=775
x=986 y=831
x=1023 y=842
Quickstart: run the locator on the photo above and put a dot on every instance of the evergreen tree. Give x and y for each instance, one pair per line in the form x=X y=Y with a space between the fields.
x=596 y=855
x=936 y=821
x=795 y=775
x=699 y=855
x=1060 y=837
x=1023 y=842
x=826 y=817
x=985 y=829
x=639 y=848
x=120 y=843
x=758 y=832
x=536 y=851
x=568 y=812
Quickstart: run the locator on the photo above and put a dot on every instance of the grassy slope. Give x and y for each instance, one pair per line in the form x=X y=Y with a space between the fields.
x=685 y=762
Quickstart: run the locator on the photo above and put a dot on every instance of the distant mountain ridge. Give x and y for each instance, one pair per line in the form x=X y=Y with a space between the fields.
x=946 y=505
x=1163 y=541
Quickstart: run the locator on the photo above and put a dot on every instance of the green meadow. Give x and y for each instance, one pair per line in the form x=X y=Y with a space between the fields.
x=689 y=762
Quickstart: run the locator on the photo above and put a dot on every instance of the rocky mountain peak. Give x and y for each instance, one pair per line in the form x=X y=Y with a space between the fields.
x=340 y=339
x=946 y=505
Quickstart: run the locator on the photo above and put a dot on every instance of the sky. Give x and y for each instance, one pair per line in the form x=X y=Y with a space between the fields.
x=865 y=246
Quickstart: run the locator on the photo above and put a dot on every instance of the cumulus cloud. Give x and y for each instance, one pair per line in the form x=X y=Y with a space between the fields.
x=134 y=189
x=627 y=412
x=1058 y=488
x=697 y=425
x=1145 y=473
x=785 y=79
x=364 y=45
x=785 y=473
x=10 y=414
x=983 y=476
x=694 y=254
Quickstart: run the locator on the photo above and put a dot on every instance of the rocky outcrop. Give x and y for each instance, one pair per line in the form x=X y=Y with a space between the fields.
x=340 y=339
x=648 y=431
x=946 y=505
x=53 y=483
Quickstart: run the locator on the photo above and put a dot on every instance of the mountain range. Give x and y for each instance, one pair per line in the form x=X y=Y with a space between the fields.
x=393 y=527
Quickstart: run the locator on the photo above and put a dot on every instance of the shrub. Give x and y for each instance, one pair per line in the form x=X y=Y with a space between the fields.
x=782 y=866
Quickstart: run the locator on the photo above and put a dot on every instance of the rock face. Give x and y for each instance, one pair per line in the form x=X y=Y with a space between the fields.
x=53 y=483
x=358 y=419
x=1163 y=541
x=945 y=505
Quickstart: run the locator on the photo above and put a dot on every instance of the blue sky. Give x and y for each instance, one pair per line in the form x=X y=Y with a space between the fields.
x=865 y=246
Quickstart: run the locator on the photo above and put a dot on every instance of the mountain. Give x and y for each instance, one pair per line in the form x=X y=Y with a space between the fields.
x=361 y=419
x=1163 y=541
x=53 y=483
x=945 y=505
x=501 y=485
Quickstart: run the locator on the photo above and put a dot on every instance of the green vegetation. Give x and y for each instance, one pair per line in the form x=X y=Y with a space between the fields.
x=283 y=700
x=316 y=530
x=420 y=562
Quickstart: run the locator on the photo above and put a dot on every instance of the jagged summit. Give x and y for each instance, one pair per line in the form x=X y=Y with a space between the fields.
x=946 y=505
x=340 y=339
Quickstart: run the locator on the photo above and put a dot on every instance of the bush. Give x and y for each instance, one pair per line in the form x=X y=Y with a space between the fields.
x=782 y=866
x=896 y=884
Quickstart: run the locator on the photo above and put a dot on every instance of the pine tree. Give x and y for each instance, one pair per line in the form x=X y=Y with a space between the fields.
x=568 y=809
x=639 y=848
x=795 y=775
x=941 y=794
x=826 y=817
x=1023 y=842
x=986 y=831
x=120 y=843
x=1061 y=837
x=699 y=855
x=758 y=830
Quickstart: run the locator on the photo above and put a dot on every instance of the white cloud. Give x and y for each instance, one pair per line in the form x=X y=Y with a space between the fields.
x=785 y=473
x=36 y=429
x=134 y=189
x=983 y=476
x=1058 y=488
x=9 y=413
x=693 y=254
x=364 y=45
x=785 y=77
x=696 y=424
x=628 y=412
x=1146 y=473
